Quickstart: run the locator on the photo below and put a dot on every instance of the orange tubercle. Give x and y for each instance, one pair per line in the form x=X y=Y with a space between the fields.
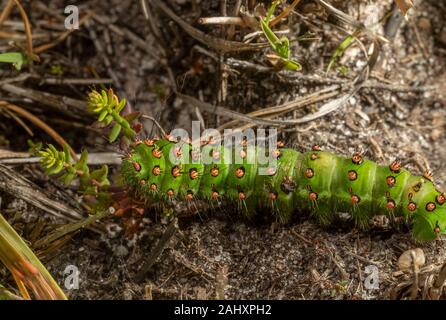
x=157 y=153
x=240 y=172
x=156 y=170
x=136 y=166
x=412 y=206
x=355 y=199
x=312 y=196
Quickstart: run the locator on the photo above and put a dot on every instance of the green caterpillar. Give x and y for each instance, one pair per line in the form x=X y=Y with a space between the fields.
x=316 y=181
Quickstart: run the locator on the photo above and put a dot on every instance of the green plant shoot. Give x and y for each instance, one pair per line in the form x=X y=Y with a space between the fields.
x=108 y=108
x=280 y=45
x=17 y=59
x=55 y=162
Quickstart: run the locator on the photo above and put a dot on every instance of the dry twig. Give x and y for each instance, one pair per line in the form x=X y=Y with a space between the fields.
x=158 y=250
x=42 y=125
x=215 y=43
x=18 y=186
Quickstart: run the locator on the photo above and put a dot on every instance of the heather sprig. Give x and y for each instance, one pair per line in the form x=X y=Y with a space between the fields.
x=108 y=107
x=55 y=161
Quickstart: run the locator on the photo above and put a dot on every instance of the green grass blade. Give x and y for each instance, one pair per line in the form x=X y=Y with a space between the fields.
x=29 y=273
x=345 y=43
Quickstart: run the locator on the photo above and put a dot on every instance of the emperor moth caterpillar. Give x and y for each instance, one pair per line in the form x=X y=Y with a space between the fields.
x=317 y=181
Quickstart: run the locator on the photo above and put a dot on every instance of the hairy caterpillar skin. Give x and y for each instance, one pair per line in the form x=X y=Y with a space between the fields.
x=316 y=181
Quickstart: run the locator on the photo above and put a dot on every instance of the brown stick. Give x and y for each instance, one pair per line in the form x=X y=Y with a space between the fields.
x=437 y=287
x=284 y=13
x=72 y=107
x=218 y=44
x=42 y=125
x=16 y=185
x=6 y=11
x=29 y=36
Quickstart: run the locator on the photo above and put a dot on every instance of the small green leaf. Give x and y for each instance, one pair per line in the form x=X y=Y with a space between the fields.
x=104 y=97
x=53 y=150
x=115 y=132
x=345 y=43
x=283 y=48
x=67 y=154
x=102 y=115
x=81 y=164
x=90 y=190
x=67 y=178
x=282 y=45
x=125 y=124
x=292 y=65
x=16 y=58
x=108 y=119
x=55 y=169
x=343 y=70
x=121 y=105
x=57 y=69
x=34 y=148
x=269 y=34
x=271 y=10
x=62 y=156
x=112 y=99
x=101 y=175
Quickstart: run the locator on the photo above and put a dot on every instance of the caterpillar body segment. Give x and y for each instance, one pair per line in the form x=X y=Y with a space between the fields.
x=316 y=181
